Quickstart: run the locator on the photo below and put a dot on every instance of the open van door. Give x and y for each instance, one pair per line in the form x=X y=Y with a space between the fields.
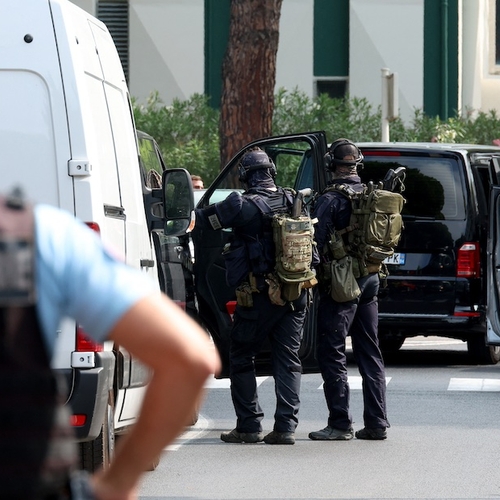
x=493 y=259
x=299 y=163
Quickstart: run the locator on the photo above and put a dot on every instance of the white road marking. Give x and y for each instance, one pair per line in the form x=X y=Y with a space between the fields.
x=456 y=384
x=225 y=383
x=474 y=384
x=355 y=382
x=192 y=433
x=424 y=341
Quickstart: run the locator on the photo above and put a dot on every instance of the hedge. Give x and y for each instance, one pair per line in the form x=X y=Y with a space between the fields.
x=187 y=131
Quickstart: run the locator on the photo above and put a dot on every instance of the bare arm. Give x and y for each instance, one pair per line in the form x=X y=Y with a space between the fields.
x=162 y=336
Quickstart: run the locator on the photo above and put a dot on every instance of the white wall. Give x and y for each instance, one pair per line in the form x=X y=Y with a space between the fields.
x=166 y=48
x=166 y=51
x=87 y=5
x=473 y=51
x=294 y=67
x=387 y=34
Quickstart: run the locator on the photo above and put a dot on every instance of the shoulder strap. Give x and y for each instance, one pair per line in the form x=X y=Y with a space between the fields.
x=270 y=203
x=260 y=203
x=344 y=189
x=352 y=195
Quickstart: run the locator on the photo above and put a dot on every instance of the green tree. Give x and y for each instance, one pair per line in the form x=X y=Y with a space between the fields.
x=248 y=74
x=186 y=132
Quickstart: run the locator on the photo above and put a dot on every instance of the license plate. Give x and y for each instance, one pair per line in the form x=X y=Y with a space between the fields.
x=396 y=258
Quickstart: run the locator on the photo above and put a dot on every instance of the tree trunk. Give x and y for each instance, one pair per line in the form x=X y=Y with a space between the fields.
x=248 y=74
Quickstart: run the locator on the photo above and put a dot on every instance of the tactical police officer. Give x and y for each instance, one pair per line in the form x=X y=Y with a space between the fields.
x=249 y=262
x=357 y=317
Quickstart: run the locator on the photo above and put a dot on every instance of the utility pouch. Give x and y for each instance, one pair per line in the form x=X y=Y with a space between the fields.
x=358 y=269
x=244 y=295
x=383 y=274
x=292 y=291
x=344 y=286
x=252 y=281
x=274 y=290
x=336 y=246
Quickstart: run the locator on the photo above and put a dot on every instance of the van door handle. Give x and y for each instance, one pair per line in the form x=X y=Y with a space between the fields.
x=147 y=263
x=114 y=212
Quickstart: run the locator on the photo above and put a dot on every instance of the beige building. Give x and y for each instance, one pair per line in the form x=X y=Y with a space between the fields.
x=444 y=52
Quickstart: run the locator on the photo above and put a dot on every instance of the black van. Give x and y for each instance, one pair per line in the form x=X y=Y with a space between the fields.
x=437 y=282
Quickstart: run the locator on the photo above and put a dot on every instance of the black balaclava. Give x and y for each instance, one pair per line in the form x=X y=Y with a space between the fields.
x=260 y=178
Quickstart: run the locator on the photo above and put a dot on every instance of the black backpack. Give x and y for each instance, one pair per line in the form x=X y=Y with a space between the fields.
x=37 y=447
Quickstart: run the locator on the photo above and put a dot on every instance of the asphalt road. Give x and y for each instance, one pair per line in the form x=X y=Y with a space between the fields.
x=444 y=440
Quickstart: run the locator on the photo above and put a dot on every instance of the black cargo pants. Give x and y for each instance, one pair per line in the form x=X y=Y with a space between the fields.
x=283 y=326
x=359 y=318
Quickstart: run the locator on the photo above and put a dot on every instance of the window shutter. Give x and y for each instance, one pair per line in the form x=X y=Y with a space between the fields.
x=115 y=16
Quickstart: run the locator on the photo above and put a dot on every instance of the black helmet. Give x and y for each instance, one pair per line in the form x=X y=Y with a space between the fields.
x=340 y=149
x=253 y=160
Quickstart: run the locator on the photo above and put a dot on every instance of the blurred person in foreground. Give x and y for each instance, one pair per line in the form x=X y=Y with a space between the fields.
x=75 y=276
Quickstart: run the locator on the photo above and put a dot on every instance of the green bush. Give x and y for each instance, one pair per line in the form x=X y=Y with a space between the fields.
x=186 y=132
x=188 y=137
x=352 y=118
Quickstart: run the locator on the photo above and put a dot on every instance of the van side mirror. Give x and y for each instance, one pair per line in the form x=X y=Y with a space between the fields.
x=178 y=201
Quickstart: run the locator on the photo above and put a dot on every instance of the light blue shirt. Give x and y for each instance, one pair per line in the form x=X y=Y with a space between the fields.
x=77 y=277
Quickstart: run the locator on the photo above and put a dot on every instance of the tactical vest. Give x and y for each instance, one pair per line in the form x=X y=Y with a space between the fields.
x=251 y=251
x=270 y=204
x=36 y=440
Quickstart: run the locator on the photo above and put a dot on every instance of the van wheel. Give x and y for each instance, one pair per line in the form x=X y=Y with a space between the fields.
x=97 y=453
x=391 y=343
x=481 y=353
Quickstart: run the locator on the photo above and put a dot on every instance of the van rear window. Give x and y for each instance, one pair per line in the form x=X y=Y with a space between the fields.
x=433 y=185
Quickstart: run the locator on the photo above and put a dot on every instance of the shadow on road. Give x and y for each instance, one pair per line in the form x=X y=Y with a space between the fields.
x=428 y=358
x=421 y=352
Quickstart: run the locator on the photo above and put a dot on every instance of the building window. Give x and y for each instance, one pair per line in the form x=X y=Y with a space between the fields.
x=331 y=47
x=114 y=14
x=492 y=11
x=334 y=87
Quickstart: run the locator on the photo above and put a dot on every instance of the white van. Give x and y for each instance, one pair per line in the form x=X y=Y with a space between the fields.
x=67 y=137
